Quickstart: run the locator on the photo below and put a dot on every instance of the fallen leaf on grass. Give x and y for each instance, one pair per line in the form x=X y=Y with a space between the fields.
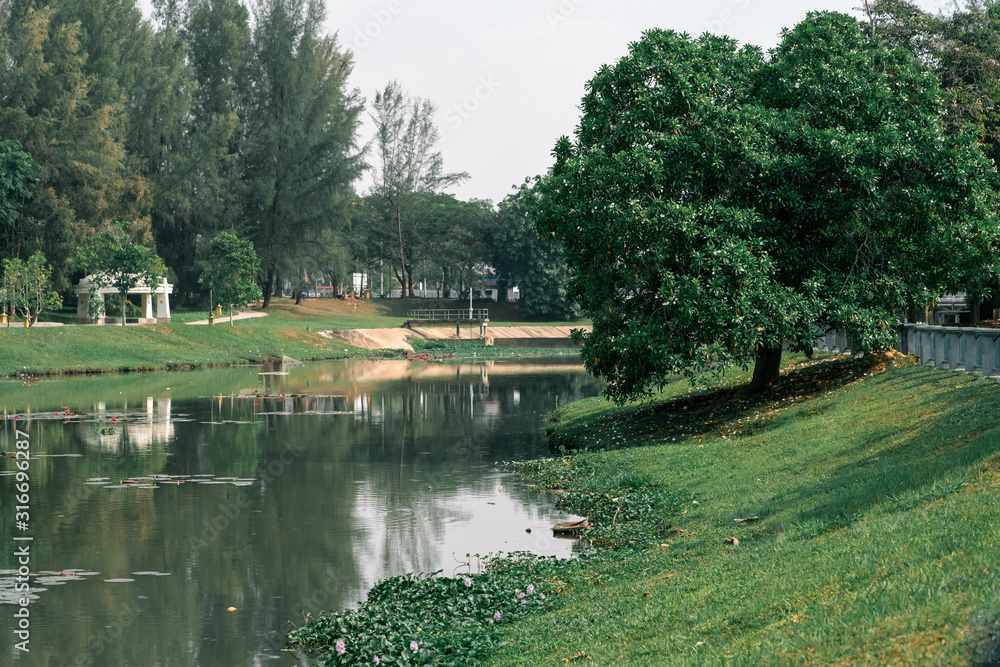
x=732 y=540
x=749 y=519
x=576 y=656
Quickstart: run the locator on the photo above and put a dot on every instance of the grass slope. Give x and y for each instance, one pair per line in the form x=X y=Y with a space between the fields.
x=289 y=329
x=877 y=496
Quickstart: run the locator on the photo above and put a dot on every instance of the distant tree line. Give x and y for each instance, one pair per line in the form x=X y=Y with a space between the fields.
x=224 y=116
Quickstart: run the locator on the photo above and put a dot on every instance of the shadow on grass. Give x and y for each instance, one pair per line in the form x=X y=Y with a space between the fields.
x=729 y=412
x=929 y=464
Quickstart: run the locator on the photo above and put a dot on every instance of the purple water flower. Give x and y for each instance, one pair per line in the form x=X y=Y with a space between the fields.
x=376 y=660
x=520 y=595
x=541 y=595
x=341 y=647
x=531 y=589
x=497 y=616
x=468 y=582
x=414 y=647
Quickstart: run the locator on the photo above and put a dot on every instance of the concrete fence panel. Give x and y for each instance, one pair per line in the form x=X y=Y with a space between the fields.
x=967 y=349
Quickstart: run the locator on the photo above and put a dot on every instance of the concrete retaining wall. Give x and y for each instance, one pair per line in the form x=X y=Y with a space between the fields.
x=967 y=349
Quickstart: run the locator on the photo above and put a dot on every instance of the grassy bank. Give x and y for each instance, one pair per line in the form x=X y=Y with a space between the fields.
x=852 y=517
x=288 y=330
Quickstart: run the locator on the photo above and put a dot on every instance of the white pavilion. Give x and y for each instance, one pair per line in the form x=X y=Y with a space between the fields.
x=158 y=295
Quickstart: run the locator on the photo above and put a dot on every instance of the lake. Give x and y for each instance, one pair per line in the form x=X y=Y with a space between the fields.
x=186 y=518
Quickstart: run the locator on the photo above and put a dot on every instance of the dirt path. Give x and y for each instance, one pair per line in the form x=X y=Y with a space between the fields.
x=246 y=314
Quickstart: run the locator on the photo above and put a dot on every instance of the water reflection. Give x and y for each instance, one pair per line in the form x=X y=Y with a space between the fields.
x=194 y=493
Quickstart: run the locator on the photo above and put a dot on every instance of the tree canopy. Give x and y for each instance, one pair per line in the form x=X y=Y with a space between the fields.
x=716 y=206
x=26 y=286
x=408 y=171
x=114 y=260
x=232 y=264
x=521 y=257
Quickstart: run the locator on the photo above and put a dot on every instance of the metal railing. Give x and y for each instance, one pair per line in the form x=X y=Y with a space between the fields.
x=449 y=314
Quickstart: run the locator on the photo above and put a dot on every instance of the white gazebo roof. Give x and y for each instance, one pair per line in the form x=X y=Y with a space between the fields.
x=86 y=284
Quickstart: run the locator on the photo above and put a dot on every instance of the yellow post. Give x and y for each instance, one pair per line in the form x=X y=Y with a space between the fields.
x=3 y=318
x=27 y=322
x=218 y=309
x=211 y=318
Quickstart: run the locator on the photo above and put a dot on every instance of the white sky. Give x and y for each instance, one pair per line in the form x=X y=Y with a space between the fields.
x=507 y=76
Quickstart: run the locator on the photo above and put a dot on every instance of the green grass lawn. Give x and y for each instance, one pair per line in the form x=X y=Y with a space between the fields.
x=288 y=330
x=877 y=496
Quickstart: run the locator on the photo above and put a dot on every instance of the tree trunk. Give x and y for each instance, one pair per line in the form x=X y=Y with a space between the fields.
x=402 y=254
x=976 y=306
x=123 y=308
x=277 y=285
x=268 y=282
x=400 y=275
x=298 y=297
x=766 y=369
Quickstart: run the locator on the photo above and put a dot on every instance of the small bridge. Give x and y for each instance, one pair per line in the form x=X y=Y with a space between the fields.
x=449 y=315
x=430 y=316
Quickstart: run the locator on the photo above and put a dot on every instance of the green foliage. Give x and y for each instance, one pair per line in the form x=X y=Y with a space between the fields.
x=962 y=49
x=46 y=91
x=18 y=176
x=232 y=265
x=408 y=173
x=301 y=121
x=453 y=621
x=27 y=286
x=113 y=260
x=520 y=257
x=716 y=204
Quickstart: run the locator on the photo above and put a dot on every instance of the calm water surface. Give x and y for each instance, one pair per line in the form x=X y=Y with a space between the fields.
x=159 y=501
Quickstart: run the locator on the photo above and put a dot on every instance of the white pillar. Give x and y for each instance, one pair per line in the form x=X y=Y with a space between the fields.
x=83 y=308
x=163 y=302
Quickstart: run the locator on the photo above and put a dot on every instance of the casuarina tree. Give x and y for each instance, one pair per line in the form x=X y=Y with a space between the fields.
x=716 y=206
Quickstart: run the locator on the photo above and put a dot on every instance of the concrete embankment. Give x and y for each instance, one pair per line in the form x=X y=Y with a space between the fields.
x=397 y=339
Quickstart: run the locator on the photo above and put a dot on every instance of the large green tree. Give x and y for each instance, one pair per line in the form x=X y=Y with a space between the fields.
x=199 y=186
x=301 y=119
x=962 y=49
x=46 y=105
x=521 y=257
x=408 y=171
x=716 y=206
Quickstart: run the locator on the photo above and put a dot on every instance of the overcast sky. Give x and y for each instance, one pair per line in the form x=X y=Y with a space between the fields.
x=507 y=76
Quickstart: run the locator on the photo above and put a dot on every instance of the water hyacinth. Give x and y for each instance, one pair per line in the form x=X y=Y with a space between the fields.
x=458 y=623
